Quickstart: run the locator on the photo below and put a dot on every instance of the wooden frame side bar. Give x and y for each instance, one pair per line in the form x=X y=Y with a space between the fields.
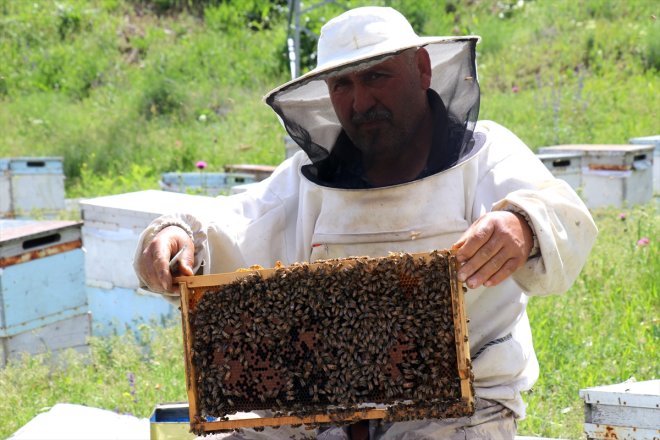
x=191 y=372
x=460 y=332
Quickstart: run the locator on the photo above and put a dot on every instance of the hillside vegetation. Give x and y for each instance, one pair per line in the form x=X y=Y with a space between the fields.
x=127 y=89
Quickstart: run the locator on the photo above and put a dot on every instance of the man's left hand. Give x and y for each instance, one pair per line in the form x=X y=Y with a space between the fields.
x=492 y=248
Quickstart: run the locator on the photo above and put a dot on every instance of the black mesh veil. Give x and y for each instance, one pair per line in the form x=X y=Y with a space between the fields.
x=306 y=111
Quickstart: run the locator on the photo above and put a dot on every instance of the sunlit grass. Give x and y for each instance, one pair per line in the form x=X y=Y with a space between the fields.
x=128 y=374
x=605 y=330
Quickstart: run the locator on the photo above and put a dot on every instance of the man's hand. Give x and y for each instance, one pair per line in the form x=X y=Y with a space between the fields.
x=154 y=262
x=492 y=248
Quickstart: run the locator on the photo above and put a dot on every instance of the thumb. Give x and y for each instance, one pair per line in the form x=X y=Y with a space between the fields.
x=185 y=269
x=187 y=260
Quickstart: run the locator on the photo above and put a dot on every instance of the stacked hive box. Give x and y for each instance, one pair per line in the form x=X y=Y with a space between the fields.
x=110 y=234
x=565 y=166
x=31 y=185
x=43 y=305
x=629 y=410
x=655 y=142
x=613 y=175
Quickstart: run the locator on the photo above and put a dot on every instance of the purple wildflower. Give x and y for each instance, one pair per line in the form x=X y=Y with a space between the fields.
x=200 y=164
x=644 y=241
x=131 y=385
x=622 y=216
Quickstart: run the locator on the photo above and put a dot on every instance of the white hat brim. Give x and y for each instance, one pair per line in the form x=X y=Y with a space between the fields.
x=360 y=56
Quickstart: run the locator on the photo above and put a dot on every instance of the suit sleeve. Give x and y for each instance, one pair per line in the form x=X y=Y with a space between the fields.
x=517 y=179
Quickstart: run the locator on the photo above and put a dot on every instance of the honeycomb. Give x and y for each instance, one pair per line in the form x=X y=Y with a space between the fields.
x=330 y=338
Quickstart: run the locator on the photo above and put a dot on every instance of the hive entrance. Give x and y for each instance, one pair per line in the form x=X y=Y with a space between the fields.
x=329 y=339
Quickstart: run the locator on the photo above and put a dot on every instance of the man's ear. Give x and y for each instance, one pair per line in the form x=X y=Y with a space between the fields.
x=423 y=62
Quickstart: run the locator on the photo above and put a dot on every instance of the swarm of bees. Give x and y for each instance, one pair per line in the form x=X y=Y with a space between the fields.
x=330 y=339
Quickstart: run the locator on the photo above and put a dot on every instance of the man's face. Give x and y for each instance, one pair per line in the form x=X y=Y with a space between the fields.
x=381 y=107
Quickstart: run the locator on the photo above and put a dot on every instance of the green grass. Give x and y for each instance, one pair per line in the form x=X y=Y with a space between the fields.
x=128 y=374
x=605 y=330
x=125 y=90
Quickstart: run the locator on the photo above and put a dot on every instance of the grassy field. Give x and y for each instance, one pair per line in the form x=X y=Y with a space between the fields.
x=605 y=330
x=125 y=90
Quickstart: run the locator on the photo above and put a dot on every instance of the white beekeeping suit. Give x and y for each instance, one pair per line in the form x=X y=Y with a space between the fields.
x=297 y=214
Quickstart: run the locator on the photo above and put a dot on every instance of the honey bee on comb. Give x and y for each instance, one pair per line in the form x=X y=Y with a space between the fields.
x=334 y=338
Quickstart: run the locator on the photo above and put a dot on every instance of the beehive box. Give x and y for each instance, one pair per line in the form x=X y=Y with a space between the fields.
x=613 y=175
x=260 y=172
x=113 y=310
x=110 y=233
x=43 y=305
x=565 y=166
x=622 y=411
x=209 y=184
x=327 y=343
x=113 y=225
x=31 y=184
x=655 y=142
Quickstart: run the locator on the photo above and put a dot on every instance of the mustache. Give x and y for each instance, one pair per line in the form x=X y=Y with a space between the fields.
x=370 y=115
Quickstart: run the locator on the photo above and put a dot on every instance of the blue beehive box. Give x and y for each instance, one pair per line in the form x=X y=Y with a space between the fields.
x=210 y=184
x=43 y=303
x=114 y=310
x=30 y=185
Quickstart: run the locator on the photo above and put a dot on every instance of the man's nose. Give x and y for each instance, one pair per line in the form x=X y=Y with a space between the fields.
x=363 y=99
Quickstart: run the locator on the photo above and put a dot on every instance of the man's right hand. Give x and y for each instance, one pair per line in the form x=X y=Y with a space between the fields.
x=154 y=261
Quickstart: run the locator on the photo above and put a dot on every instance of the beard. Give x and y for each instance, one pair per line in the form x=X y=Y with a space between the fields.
x=374 y=132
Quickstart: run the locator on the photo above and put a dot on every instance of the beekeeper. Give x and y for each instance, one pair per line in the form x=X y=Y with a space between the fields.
x=392 y=159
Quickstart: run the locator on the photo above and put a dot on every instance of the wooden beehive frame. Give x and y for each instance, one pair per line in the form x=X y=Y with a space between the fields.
x=193 y=289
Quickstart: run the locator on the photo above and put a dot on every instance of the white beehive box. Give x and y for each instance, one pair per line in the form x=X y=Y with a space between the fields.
x=655 y=141
x=112 y=226
x=43 y=303
x=564 y=165
x=31 y=185
x=613 y=175
x=111 y=229
x=628 y=410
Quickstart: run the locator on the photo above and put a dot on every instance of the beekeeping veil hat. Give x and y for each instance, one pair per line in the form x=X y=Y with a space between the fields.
x=358 y=39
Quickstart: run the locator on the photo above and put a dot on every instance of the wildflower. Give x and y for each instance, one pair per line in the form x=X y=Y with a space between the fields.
x=644 y=241
x=131 y=385
x=202 y=118
x=515 y=89
x=622 y=216
x=200 y=164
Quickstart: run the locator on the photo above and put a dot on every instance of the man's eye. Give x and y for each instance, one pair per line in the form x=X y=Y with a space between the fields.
x=339 y=85
x=374 y=76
